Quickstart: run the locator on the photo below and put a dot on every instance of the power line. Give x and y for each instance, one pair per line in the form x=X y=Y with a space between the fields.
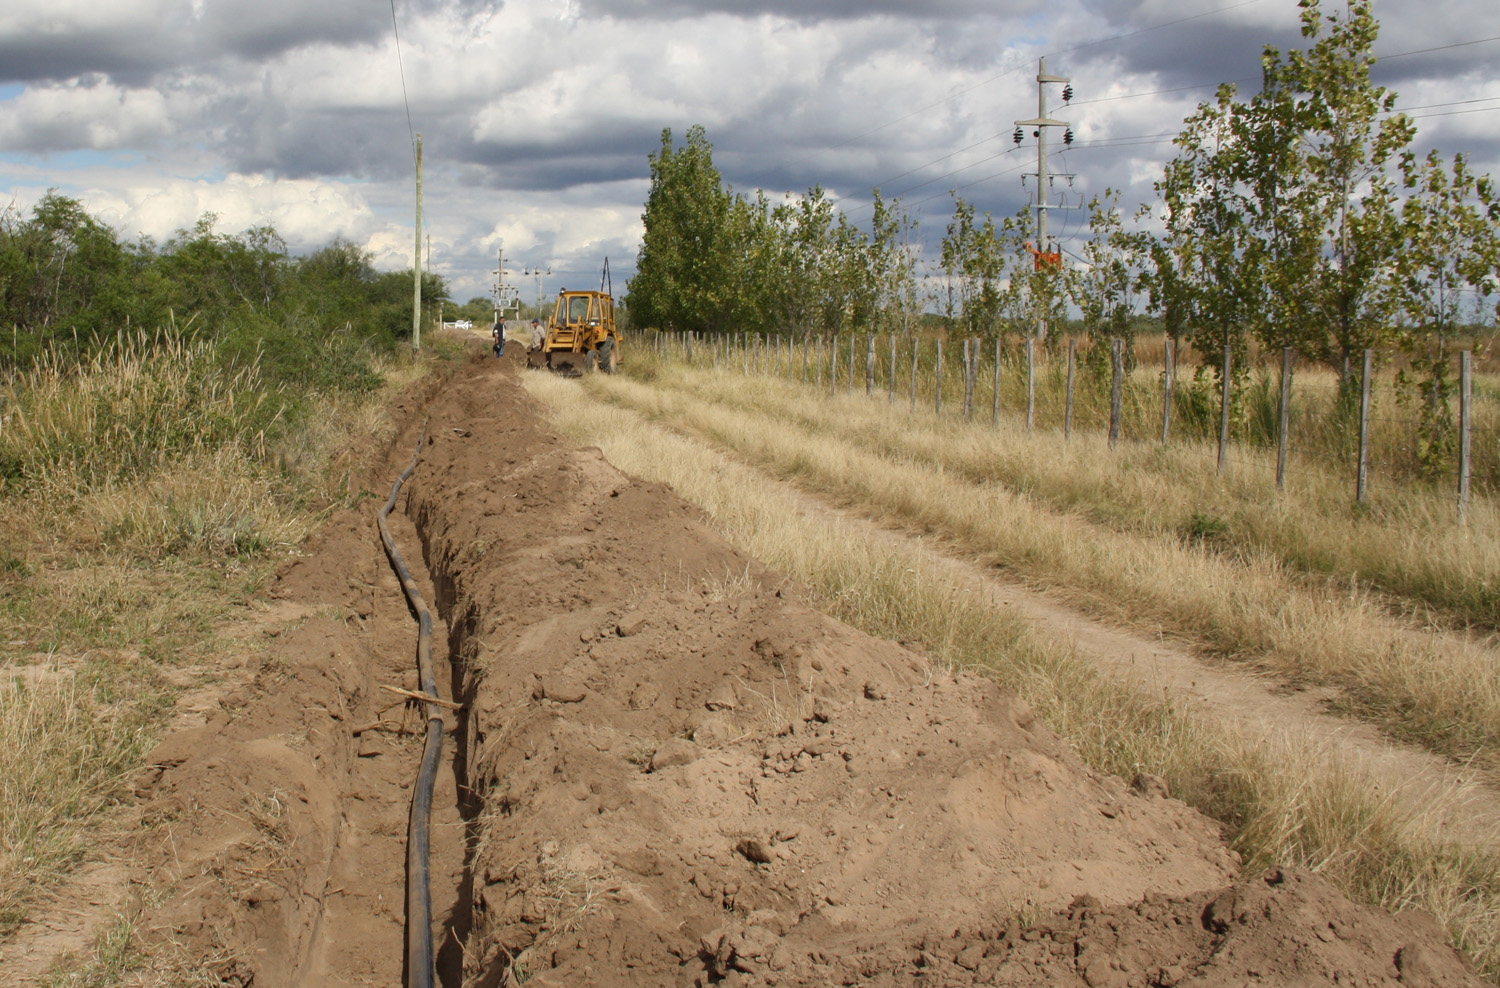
x=1450 y=113
x=1154 y=27
x=1135 y=140
x=934 y=161
x=1423 y=51
x=1013 y=70
x=410 y=130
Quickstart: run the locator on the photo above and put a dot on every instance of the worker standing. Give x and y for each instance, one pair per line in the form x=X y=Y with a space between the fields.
x=499 y=334
x=538 y=335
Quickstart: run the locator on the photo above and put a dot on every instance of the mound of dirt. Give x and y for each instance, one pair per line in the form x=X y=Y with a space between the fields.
x=671 y=769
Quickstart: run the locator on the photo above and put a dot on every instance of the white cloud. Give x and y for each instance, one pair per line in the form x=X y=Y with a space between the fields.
x=304 y=212
x=98 y=116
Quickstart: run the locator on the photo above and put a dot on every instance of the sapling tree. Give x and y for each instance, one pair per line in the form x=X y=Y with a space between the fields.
x=1103 y=287
x=1349 y=140
x=1451 y=231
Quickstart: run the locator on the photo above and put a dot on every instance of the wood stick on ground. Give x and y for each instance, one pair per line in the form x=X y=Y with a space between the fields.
x=424 y=697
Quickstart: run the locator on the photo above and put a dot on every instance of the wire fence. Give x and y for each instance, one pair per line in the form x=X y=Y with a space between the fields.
x=1376 y=429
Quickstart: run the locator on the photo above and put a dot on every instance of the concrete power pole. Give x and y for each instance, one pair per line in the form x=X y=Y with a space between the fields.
x=1043 y=179
x=416 y=262
x=500 y=292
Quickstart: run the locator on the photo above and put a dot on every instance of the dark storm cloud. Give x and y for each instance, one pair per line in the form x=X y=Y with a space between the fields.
x=807 y=10
x=266 y=28
x=137 y=41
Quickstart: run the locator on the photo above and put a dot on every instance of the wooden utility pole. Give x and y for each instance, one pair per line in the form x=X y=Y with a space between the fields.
x=416 y=262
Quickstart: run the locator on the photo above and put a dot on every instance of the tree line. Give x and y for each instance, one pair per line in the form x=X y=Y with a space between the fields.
x=1299 y=217
x=68 y=281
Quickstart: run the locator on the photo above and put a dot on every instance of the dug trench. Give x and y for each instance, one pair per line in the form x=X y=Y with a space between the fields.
x=670 y=768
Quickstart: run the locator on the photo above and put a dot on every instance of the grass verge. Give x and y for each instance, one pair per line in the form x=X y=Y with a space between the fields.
x=1281 y=800
x=1438 y=689
x=144 y=493
x=1410 y=543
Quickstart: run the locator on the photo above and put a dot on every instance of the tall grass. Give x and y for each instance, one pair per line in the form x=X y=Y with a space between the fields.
x=1441 y=690
x=1284 y=800
x=143 y=492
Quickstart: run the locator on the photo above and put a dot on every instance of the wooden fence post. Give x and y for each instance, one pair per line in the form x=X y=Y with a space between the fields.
x=1169 y=376
x=939 y=405
x=916 y=349
x=969 y=362
x=1116 y=389
x=892 y=399
x=1030 y=382
x=995 y=399
x=1465 y=430
x=1362 y=484
x=1068 y=407
x=1225 y=396
x=1284 y=423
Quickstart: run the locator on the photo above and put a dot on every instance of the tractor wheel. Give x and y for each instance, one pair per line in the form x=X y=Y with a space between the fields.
x=608 y=358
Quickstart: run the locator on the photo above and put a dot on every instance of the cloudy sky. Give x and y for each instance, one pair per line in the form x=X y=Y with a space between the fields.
x=538 y=115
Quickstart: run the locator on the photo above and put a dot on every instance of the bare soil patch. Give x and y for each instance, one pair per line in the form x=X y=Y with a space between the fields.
x=670 y=769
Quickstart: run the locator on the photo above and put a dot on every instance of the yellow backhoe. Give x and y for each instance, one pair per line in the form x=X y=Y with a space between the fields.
x=581 y=335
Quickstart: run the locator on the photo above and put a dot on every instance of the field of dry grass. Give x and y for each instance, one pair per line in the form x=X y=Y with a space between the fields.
x=143 y=495
x=987 y=489
x=722 y=439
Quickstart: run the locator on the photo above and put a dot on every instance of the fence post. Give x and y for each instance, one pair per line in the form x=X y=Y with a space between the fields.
x=1284 y=425
x=1068 y=407
x=1116 y=389
x=916 y=349
x=833 y=366
x=1169 y=379
x=939 y=405
x=1224 y=398
x=1465 y=430
x=1030 y=381
x=892 y=399
x=870 y=365
x=995 y=402
x=971 y=360
x=1362 y=484
x=851 y=363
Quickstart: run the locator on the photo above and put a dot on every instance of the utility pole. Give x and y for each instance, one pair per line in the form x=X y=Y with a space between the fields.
x=416 y=262
x=499 y=280
x=1043 y=251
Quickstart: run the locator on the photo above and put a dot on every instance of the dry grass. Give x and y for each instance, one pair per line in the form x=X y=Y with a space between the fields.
x=143 y=496
x=1409 y=544
x=61 y=753
x=1283 y=800
x=1440 y=689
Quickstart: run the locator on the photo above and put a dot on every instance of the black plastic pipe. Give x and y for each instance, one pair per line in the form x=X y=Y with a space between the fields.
x=421 y=970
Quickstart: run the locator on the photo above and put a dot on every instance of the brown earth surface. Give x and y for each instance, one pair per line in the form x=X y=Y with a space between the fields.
x=669 y=769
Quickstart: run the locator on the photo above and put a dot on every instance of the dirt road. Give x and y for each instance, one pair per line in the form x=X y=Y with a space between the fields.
x=669 y=769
